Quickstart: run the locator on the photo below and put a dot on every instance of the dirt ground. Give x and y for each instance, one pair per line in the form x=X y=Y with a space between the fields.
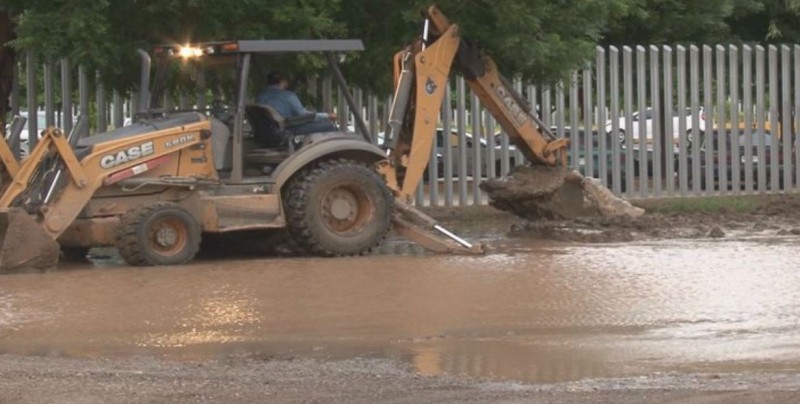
x=29 y=380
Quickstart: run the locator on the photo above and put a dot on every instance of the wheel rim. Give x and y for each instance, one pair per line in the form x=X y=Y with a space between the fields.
x=168 y=236
x=346 y=208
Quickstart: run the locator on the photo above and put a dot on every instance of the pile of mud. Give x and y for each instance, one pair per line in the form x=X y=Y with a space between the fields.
x=540 y=192
x=780 y=217
x=558 y=204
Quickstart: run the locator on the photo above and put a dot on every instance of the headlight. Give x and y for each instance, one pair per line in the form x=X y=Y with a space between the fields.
x=189 y=52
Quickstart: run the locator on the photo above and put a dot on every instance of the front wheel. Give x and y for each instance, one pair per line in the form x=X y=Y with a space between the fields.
x=160 y=234
x=337 y=208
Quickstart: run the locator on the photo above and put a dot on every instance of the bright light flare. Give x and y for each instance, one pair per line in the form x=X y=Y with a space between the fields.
x=189 y=52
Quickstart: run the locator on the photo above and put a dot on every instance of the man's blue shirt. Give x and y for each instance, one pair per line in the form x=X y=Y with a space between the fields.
x=285 y=102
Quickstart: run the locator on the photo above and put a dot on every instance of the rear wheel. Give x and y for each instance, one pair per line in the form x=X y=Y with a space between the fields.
x=337 y=208
x=161 y=234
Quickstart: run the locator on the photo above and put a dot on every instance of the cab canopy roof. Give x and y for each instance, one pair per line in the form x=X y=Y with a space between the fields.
x=261 y=46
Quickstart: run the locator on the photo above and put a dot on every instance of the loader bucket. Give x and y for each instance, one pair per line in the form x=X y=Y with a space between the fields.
x=541 y=192
x=24 y=245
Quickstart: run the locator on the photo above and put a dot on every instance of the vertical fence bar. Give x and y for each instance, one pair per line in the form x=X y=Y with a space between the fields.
x=683 y=142
x=787 y=134
x=66 y=95
x=761 y=118
x=722 y=135
x=547 y=107
x=201 y=90
x=327 y=94
x=118 y=117
x=342 y=110
x=573 y=117
x=372 y=116
x=627 y=74
x=505 y=154
x=183 y=101
x=747 y=94
x=491 y=157
x=774 y=132
x=100 y=104
x=83 y=95
x=641 y=128
x=669 y=130
x=461 y=123
x=49 y=93
x=447 y=147
x=518 y=158
x=477 y=136
x=602 y=147
x=797 y=114
x=617 y=177
x=587 y=122
x=733 y=59
x=533 y=102
x=359 y=101
x=696 y=140
x=709 y=121
x=655 y=97
x=560 y=109
x=15 y=89
x=33 y=125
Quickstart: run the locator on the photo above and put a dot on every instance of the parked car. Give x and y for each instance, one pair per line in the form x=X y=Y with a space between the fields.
x=712 y=146
x=642 y=122
x=470 y=145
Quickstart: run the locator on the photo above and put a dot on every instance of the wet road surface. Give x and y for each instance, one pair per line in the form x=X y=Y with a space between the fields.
x=531 y=311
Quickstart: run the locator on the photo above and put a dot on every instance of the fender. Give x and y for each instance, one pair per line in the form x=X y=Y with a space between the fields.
x=328 y=145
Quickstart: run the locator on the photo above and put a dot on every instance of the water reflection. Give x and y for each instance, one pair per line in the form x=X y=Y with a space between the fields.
x=545 y=312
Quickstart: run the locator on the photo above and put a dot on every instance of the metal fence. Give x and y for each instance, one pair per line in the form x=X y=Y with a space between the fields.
x=647 y=121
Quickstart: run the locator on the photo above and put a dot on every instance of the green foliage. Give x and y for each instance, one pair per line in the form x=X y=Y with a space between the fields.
x=537 y=39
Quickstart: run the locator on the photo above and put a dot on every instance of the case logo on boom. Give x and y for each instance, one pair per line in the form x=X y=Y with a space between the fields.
x=513 y=108
x=124 y=156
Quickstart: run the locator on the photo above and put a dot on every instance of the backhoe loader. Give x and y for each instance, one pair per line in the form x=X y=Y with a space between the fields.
x=154 y=188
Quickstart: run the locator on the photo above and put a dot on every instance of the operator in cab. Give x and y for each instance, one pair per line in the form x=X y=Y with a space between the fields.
x=278 y=96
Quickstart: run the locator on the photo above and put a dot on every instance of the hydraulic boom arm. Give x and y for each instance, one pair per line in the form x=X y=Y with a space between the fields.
x=421 y=75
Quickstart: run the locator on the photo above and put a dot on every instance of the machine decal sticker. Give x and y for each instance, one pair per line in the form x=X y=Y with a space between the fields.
x=514 y=110
x=124 y=156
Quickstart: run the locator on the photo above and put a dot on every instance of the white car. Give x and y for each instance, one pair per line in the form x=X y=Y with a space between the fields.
x=647 y=117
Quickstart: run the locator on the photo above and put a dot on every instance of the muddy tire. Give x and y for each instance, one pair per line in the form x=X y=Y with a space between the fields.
x=161 y=234
x=337 y=208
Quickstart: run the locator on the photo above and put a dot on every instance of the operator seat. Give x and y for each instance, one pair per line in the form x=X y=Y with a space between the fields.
x=268 y=126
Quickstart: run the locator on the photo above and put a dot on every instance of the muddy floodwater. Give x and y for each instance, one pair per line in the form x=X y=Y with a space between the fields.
x=533 y=310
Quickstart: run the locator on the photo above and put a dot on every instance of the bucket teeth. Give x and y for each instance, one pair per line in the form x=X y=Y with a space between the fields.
x=24 y=245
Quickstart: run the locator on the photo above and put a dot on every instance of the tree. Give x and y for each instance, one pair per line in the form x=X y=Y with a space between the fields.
x=771 y=21
x=670 y=21
x=538 y=39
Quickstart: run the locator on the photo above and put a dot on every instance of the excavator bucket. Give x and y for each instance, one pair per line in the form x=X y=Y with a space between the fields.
x=542 y=192
x=24 y=245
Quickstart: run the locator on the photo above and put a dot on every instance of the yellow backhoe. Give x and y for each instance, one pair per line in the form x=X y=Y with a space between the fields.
x=154 y=188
